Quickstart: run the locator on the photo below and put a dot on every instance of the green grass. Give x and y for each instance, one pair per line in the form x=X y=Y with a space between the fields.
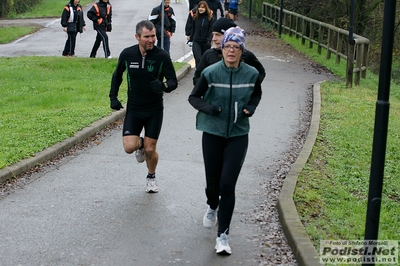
x=48 y=99
x=332 y=190
x=9 y=34
x=48 y=9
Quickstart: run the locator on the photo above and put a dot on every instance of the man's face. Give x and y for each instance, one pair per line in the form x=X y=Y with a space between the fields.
x=166 y=3
x=147 y=39
x=217 y=38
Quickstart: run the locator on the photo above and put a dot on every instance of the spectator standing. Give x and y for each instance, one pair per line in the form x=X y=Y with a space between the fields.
x=100 y=14
x=200 y=33
x=147 y=66
x=225 y=96
x=72 y=21
x=214 y=54
x=169 y=24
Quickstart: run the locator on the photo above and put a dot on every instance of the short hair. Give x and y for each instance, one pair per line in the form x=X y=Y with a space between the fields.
x=144 y=24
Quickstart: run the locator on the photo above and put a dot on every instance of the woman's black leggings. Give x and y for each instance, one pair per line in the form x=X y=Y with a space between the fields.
x=223 y=160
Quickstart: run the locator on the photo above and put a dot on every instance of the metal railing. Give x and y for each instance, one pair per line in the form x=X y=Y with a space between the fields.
x=325 y=36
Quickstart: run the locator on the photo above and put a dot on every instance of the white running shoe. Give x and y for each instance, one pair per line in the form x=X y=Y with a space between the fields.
x=222 y=247
x=210 y=217
x=140 y=154
x=151 y=185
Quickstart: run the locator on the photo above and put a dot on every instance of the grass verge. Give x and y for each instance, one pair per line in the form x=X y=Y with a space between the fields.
x=45 y=9
x=48 y=99
x=9 y=34
x=48 y=9
x=332 y=190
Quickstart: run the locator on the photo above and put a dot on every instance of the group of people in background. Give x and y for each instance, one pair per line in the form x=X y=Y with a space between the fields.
x=73 y=22
x=197 y=29
x=227 y=90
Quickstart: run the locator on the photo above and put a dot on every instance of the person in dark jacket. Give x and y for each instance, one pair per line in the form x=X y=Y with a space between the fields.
x=200 y=33
x=147 y=66
x=100 y=14
x=193 y=4
x=215 y=5
x=225 y=96
x=214 y=54
x=169 y=24
x=72 y=21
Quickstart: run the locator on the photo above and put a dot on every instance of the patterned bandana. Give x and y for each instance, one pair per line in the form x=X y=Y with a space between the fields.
x=235 y=34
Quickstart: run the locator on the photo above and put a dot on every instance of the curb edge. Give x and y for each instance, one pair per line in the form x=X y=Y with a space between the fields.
x=298 y=239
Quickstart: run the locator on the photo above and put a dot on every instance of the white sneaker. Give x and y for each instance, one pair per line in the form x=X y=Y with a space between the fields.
x=151 y=186
x=140 y=154
x=109 y=57
x=210 y=217
x=222 y=247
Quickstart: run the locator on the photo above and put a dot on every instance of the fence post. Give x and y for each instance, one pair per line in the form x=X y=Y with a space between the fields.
x=303 y=30
x=280 y=19
x=365 y=60
x=358 y=64
x=350 y=63
x=250 y=9
x=328 y=43
x=320 y=38
x=310 y=44
x=339 y=46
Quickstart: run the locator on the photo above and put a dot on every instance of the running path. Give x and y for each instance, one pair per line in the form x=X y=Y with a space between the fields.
x=91 y=208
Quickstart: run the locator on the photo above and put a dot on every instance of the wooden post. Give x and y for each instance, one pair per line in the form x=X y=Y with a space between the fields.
x=350 y=63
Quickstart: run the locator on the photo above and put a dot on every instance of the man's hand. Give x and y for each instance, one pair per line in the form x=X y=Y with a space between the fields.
x=157 y=86
x=116 y=104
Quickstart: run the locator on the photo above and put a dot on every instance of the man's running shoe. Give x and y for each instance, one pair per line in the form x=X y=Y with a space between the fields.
x=151 y=186
x=140 y=154
x=222 y=247
x=210 y=217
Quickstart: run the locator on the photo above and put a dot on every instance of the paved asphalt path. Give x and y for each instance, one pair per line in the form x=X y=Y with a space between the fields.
x=92 y=208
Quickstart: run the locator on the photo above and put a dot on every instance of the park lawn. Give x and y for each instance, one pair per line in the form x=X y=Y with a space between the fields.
x=9 y=34
x=49 y=9
x=48 y=99
x=332 y=190
x=45 y=9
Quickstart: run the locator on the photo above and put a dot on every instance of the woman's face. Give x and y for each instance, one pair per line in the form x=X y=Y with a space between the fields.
x=76 y=2
x=201 y=9
x=231 y=51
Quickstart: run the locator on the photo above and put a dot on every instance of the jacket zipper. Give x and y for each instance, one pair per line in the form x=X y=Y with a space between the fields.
x=230 y=103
